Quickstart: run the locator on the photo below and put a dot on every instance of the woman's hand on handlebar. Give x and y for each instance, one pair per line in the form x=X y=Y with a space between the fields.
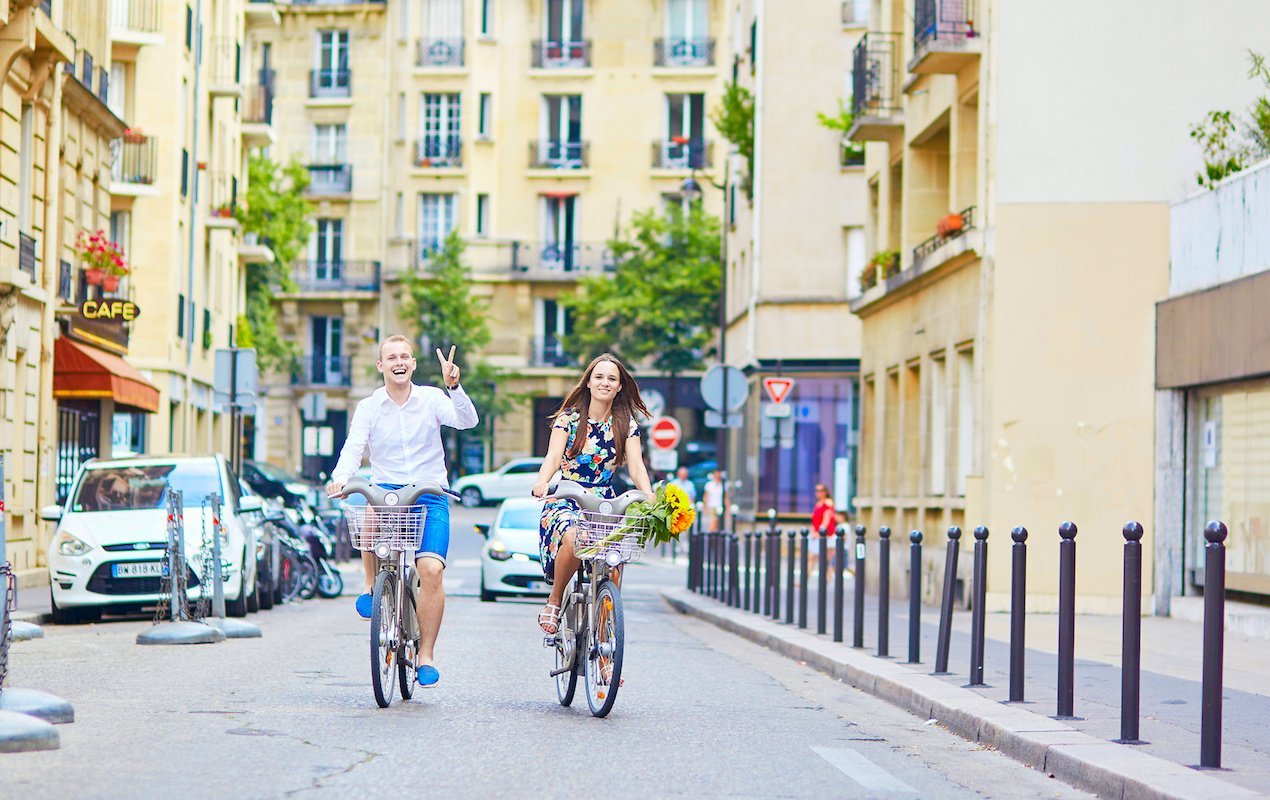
x=540 y=489
x=334 y=487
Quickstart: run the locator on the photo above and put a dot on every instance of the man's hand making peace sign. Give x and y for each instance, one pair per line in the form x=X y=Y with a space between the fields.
x=449 y=370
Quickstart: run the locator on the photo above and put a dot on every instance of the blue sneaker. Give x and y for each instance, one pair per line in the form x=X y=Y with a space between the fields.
x=364 y=605
x=428 y=675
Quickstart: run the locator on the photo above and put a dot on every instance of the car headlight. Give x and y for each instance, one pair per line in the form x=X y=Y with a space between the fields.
x=520 y=557
x=69 y=545
x=498 y=551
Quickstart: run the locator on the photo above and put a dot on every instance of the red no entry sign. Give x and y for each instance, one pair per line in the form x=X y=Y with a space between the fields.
x=665 y=433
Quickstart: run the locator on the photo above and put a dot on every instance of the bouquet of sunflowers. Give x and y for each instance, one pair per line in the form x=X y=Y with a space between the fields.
x=662 y=520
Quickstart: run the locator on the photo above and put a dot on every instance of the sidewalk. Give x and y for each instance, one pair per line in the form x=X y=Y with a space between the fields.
x=1079 y=751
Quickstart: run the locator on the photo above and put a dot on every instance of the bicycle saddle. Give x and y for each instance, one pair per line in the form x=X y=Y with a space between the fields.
x=407 y=495
x=569 y=490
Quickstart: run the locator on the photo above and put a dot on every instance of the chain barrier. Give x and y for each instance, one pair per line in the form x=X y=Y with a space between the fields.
x=206 y=569
x=8 y=605
x=173 y=595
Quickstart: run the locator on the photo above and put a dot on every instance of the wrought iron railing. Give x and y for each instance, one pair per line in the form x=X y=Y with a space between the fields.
x=549 y=54
x=136 y=159
x=103 y=86
x=560 y=257
x=875 y=77
x=258 y=108
x=941 y=19
x=26 y=254
x=439 y=151
x=224 y=58
x=330 y=82
x=330 y=178
x=554 y=154
x=66 y=281
x=336 y=275
x=933 y=243
x=549 y=352
x=86 y=69
x=222 y=195
x=683 y=51
x=682 y=153
x=443 y=51
x=323 y=370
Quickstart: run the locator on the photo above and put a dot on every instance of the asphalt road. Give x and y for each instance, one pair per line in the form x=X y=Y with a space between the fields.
x=702 y=714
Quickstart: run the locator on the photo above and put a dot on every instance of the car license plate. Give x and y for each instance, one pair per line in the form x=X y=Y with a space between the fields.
x=139 y=569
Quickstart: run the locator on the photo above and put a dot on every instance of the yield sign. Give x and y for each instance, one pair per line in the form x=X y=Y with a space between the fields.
x=778 y=388
x=665 y=433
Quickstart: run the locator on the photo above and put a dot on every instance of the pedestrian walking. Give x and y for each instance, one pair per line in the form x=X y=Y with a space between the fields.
x=824 y=516
x=681 y=480
x=713 y=500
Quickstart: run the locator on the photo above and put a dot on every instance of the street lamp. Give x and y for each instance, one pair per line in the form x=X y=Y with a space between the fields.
x=690 y=189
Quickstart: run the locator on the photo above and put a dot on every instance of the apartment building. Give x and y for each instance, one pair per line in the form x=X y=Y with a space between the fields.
x=1020 y=162
x=794 y=243
x=534 y=129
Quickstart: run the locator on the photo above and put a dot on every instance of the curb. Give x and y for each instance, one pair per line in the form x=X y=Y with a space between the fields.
x=1086 y=762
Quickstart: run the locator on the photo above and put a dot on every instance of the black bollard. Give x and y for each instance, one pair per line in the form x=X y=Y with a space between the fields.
x=749 y=571
x=756 y=577
x=802 y=580
x=822 y=575
x=692 y=561
x=884 y=591
x=915 y=597
x=1131 y=636
x=1018 y=610
x=716 y=552
x=767 y=572
x=977 y=613
x=789 y=577
x=839 y=565
x=946 y=605
x=857 y=631
x=734 y=588
x=1214 y=642
x=721 y=567
x=777 y=555
x=1067 y=620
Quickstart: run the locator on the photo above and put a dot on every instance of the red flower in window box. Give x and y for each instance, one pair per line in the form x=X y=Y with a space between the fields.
x=950 y=224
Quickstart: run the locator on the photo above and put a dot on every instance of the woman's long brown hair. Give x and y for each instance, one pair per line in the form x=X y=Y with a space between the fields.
x=625 y=404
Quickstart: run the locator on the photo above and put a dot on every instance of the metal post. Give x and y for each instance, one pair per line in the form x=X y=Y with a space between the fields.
x=1214 y=632
x=915 y=597
x=839 y=587
x=749 y=570
x=1018 y=611
x=1067 y=620
x=977 y=620
x=822 y=574
x=1131 y=635
x=884 y=591
x=789 y=577
x=946 y=605
x=734 y=559
x=803 y=562
x=767 y=573
x=857 y=632
x=777 y=555
x=218 y=580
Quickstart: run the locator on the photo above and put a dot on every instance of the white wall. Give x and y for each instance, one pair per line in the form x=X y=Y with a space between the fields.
x=1220 y=235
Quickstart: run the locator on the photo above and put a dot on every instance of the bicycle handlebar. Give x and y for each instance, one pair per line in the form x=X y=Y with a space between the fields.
x=570 y=490
x=407 y=495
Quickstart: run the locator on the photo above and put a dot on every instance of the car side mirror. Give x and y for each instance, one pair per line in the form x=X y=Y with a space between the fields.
x=250 y=503
x=51 y=513
x=482 y=528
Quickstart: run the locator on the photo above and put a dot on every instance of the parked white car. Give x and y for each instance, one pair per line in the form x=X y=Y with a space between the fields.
x=513 y=479
x=112 y=532
x=510 y=563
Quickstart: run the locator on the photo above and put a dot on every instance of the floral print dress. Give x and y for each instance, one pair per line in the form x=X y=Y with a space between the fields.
x=593 y=468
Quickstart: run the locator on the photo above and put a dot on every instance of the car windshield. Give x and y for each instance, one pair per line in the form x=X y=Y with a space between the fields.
x=525 y=518
x=132 y=488
x=270 y=472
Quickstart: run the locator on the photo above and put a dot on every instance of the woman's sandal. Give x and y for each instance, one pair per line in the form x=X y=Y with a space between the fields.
x=606 y=673
x=548 y=618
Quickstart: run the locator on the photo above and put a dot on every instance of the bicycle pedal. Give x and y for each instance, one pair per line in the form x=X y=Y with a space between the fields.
x=550 y=640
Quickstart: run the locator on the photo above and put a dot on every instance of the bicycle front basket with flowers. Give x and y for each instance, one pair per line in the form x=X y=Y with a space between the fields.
x=645 y=523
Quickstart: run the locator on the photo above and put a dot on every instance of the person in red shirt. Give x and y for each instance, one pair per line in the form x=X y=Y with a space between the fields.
x=824 y=518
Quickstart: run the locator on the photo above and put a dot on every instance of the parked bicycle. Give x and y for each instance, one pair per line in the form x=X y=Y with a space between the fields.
x=591 y=637
x=298 y=569
x=391 y=526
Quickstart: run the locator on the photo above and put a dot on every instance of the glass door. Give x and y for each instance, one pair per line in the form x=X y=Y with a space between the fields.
x=685 y=124
x=559 y=225
x=326 y=251
x=327 y=344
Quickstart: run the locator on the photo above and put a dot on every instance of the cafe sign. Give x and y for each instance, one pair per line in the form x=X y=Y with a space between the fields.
x=104 y=323
x=110 y=310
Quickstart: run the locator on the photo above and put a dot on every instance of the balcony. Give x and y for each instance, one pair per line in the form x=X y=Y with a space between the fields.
x=435 y=152
x=552 y=154
x=440 y=52
x=135 y=166
x=850 y=154
x=952 y=226
x=956 y=243
x=330 y=179
x=572 y=54
x=330 y=83
x=336 y=276
x=26 y=255
x=875 y=88
x=944 y=37
x=136 y=22
x=560 y=257
x=221 y=199
x=257 y=112
x=680 y=153
x=225 y=71
x=262 y=13
x=684 y=52
x=549 y=352
x=323 y=370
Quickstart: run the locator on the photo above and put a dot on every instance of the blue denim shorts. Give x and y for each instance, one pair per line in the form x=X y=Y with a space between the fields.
x=436 y=525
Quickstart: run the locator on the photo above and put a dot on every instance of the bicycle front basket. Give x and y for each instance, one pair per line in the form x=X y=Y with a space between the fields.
x=397 y=527
x=600 y=535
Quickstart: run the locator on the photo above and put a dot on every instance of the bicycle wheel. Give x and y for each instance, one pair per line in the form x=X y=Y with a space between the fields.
x=569 y=641
x=383 y=637
x=330 y=582
x=308 y=576
x=605 y=636
x=289 y=576
x=408 y=652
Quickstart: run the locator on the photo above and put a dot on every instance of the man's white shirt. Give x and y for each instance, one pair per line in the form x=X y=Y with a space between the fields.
x=404 y=441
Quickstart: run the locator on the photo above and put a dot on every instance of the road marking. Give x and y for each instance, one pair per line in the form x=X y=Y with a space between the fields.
x=863 y=771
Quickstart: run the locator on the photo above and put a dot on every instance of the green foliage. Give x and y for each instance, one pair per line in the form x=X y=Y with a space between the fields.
x=662 y=301
x=733 y=118
x=244 y=336
x=852 y=152
x=440 y=310
x=1259 y=114
x=277 y=213
x=1230 y=144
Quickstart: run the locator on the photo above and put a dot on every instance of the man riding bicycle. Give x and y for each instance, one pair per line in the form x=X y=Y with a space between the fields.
x=400 y=424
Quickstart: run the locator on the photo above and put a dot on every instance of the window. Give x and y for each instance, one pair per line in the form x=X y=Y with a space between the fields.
x=207 y=328
x=484 y=116
x=26 y=156
x=522 y=469
x=326 y=249
x=559 y=216
x=753 y=45
x=561 y=131
x=684 y=146
x=441 y=142
x=554 y=323
x=118 y=88
x=330 y=144
x=911 y=446
x=401 y=116
x=938 y=425
x=442 y=42
x=487 y=17
x=482 y=215
x=687 y=34
x=965 y=417
x=185 y=172
x=331 y=73
x=436 y=220
x=564 y=21
x=326 y=342
x=856 y=258
x=189 y=27
x=180 y=316
x=399 y=215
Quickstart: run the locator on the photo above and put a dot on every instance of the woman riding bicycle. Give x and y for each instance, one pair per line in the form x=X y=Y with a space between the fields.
x=594 y=433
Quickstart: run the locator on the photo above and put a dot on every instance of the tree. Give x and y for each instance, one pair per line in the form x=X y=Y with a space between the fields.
x=440 y=309
x=733 y=118
x=277 y=213
x=662 y=302
x=1231 y=143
